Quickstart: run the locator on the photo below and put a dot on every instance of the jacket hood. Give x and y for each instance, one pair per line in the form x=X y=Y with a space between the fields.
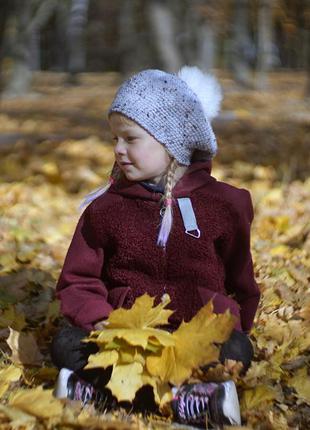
x=197 y=175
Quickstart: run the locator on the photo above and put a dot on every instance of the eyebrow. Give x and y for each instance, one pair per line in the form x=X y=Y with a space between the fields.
x=126 y=130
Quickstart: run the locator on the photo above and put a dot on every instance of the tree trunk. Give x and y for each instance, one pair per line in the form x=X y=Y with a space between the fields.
x=202 y=26
x=128 y=40
x=34 y=49
x=206 y=45
x=4 y=15
x=29 y=21
x=307 y=92
x=76 y=38
x=264 y=43
x=61 y=48
x=242 y=46
x=21 y=73
x=162 y=25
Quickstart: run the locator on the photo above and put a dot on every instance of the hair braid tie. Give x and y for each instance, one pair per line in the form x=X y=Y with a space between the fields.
x=167 y=219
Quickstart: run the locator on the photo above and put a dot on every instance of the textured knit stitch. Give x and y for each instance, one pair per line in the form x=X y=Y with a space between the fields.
x=165 y=106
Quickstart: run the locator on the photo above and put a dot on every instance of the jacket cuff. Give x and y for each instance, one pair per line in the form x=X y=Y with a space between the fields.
x=247 y=312
x=91 y=313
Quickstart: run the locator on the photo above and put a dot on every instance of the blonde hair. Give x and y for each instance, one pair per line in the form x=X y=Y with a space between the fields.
x=166 y=211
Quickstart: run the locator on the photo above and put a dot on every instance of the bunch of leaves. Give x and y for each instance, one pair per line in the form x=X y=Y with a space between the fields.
x=142 y=354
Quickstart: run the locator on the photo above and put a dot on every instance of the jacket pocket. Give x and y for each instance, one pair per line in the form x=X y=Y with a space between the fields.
x=221 y=303
x=116 y=296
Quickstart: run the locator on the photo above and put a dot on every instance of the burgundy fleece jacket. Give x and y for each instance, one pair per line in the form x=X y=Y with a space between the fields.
x=113 y=257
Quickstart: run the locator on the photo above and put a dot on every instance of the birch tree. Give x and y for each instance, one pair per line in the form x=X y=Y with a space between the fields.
x=264 y=42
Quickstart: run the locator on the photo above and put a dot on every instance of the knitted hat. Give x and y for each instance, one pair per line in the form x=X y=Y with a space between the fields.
x=176 y=109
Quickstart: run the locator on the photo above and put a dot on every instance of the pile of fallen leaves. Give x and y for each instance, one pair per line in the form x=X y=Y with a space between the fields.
x=53 y=151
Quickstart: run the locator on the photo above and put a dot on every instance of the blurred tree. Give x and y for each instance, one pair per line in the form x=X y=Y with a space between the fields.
x=127 y=35
x=265 y=43
x=5 y=13
x=135 y=47
x=76 y=26
x=243 y=49
x=26 y=19
x=201 y=24
x=163 y=27
x=250 y=38
x=207 y=37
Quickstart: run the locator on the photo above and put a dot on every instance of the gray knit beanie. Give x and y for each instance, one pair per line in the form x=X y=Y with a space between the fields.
x=176 y=109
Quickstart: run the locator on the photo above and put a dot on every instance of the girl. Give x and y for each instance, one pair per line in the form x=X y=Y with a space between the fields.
x=163 y=225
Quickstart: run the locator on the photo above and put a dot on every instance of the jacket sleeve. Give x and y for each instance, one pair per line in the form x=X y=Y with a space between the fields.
x=240 y=281
x=81 y=291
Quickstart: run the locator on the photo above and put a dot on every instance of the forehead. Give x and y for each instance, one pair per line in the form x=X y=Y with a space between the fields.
x=122 y=123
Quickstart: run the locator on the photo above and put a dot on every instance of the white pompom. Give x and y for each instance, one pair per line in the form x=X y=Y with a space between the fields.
x=206 y=87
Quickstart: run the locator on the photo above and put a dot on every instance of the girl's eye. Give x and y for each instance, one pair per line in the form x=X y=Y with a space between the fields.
x=128 y=139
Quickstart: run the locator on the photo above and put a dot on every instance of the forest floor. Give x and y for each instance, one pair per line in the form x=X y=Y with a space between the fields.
x=55 y=148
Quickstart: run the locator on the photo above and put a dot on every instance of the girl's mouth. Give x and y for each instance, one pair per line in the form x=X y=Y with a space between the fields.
x=125 y=164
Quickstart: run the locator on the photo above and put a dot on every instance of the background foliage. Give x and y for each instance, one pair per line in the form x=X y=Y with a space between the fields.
x=56 y=148
x=60 y=64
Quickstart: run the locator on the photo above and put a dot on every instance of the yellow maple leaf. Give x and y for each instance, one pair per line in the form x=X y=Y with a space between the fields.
x=131 y=354
x=194 y=345
x=162 y=391
x=258 y=370
x=24 y=348
x=301 y=383
x=141 y=314
x=7 y=375
x=126 y=379
x=38 y=402
x=102 y=359
x=134 y=336
x=18 y=419
x=10 y=318
x=257 y=397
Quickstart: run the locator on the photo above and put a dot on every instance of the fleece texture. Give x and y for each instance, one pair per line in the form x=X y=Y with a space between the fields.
x=113 y=257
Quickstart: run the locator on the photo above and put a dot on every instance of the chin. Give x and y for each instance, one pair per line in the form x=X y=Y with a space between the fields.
x=134 y=178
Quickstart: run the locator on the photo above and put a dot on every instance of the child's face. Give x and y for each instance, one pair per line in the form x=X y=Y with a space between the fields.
x=137 y=153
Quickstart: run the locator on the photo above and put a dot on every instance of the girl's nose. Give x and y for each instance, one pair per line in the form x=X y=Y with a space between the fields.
x=119 y=148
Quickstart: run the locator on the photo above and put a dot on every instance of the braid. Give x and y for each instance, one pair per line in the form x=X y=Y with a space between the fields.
x=170 y=181
x=166 y=223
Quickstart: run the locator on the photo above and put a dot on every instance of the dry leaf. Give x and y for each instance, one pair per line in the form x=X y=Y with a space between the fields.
x=194 y=346
x=18 y=419
x=24 y=349
x=102 y=359
x=301 y=383
x=257 y=397
x=7 y=375
x=125 y=381
x=141 y=315
x=134 y=336
x=10 y=318
x=37 y=402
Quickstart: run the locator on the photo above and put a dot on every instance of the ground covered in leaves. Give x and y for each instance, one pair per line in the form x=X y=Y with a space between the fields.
x=54 y=148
